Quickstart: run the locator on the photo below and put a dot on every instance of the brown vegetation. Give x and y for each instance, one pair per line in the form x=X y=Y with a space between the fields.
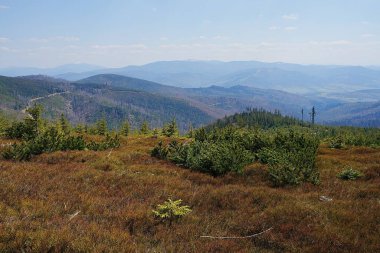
x=86 y=201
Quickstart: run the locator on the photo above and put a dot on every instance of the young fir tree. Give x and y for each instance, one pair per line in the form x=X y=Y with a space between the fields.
x=64 y=124
x=144 y=129
x=156 y=132
x=190 y=133
x=34 y=122
x=101 y=126
x=171 y=129
x=4 y=124
x=125 y=128
x=80 y=129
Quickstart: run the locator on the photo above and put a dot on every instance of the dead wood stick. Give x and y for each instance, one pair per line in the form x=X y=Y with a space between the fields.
x=110 y=153
x=236 y=237
x=73 y=215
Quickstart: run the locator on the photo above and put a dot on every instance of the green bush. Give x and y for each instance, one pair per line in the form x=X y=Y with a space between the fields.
x=292 y=158
x=217 y=158
x=213 y=158
x=282 y=172
x=350 y=174
x=52 y=140
x=48 y=141
x=170 y=129
x=109 y=142
x=337 y=142
x=159 y=151
x=4 y=124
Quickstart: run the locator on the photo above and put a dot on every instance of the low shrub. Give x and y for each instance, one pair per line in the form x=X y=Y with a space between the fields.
x=209 y=157
x=109 y=142
x=283 y=171
x=350 y=174
x=292 y=158
x=159 y=151
x=52 y=140
x=337 y=142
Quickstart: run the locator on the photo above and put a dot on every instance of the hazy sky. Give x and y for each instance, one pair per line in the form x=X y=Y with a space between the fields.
x=45 y=33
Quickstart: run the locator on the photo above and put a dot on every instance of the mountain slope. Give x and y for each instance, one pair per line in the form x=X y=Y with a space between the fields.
x=119 y=97
x=288 y=77
x=16 y=92
x=67 y=68
x=88 y=102
x=354 y=114
x=220 y=101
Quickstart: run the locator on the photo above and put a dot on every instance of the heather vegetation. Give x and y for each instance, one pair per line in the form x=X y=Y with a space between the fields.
x=88 y=188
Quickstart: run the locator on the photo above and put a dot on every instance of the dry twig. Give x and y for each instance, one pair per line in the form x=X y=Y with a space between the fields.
x=236 y=237
x=73 y=215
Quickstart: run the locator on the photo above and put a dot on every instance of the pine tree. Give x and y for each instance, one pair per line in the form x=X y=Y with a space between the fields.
x=4 y=123
x=80 y=129
x=125 y=128
x=64 y=124
x=144 y=128
x=34 y=121
x=190 y=133
x=171 y=129
x=101 y=126
x=155 y=132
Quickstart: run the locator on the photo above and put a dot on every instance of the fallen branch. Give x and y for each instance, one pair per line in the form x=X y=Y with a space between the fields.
x=236 y=237
x=109 y=153
x=73 y=215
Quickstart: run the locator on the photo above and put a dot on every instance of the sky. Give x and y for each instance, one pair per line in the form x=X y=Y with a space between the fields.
x=115 y=33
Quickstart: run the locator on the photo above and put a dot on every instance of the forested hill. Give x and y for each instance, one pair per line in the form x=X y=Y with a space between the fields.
x=87 y=102
x=260 y=118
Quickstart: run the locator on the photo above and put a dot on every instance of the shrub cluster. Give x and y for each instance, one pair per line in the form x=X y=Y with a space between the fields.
x=292 y=158
x=37 y=137
x=290 y=152
x=4 y=124
x=52 y=140
x=340 y=137
x=209 y=157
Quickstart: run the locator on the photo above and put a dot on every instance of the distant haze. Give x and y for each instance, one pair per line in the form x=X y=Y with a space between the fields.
x=116 y=33
x=279 y=76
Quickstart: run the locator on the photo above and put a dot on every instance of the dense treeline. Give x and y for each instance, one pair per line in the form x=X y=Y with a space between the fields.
x=333 y=135
x=256 y=118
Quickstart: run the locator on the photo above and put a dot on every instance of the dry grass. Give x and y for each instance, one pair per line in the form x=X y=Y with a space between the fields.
x=115 y=196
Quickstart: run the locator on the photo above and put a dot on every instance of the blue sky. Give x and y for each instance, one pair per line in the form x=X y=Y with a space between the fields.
x=46 y=33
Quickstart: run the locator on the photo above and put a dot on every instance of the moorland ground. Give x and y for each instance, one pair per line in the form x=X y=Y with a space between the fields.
x=87 y=201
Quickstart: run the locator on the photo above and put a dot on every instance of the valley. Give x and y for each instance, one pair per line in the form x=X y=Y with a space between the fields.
x=102 y=93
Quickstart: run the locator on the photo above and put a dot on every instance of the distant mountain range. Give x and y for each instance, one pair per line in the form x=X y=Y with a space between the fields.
x=119 y=97
x=67 y=68
x=193 y=74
